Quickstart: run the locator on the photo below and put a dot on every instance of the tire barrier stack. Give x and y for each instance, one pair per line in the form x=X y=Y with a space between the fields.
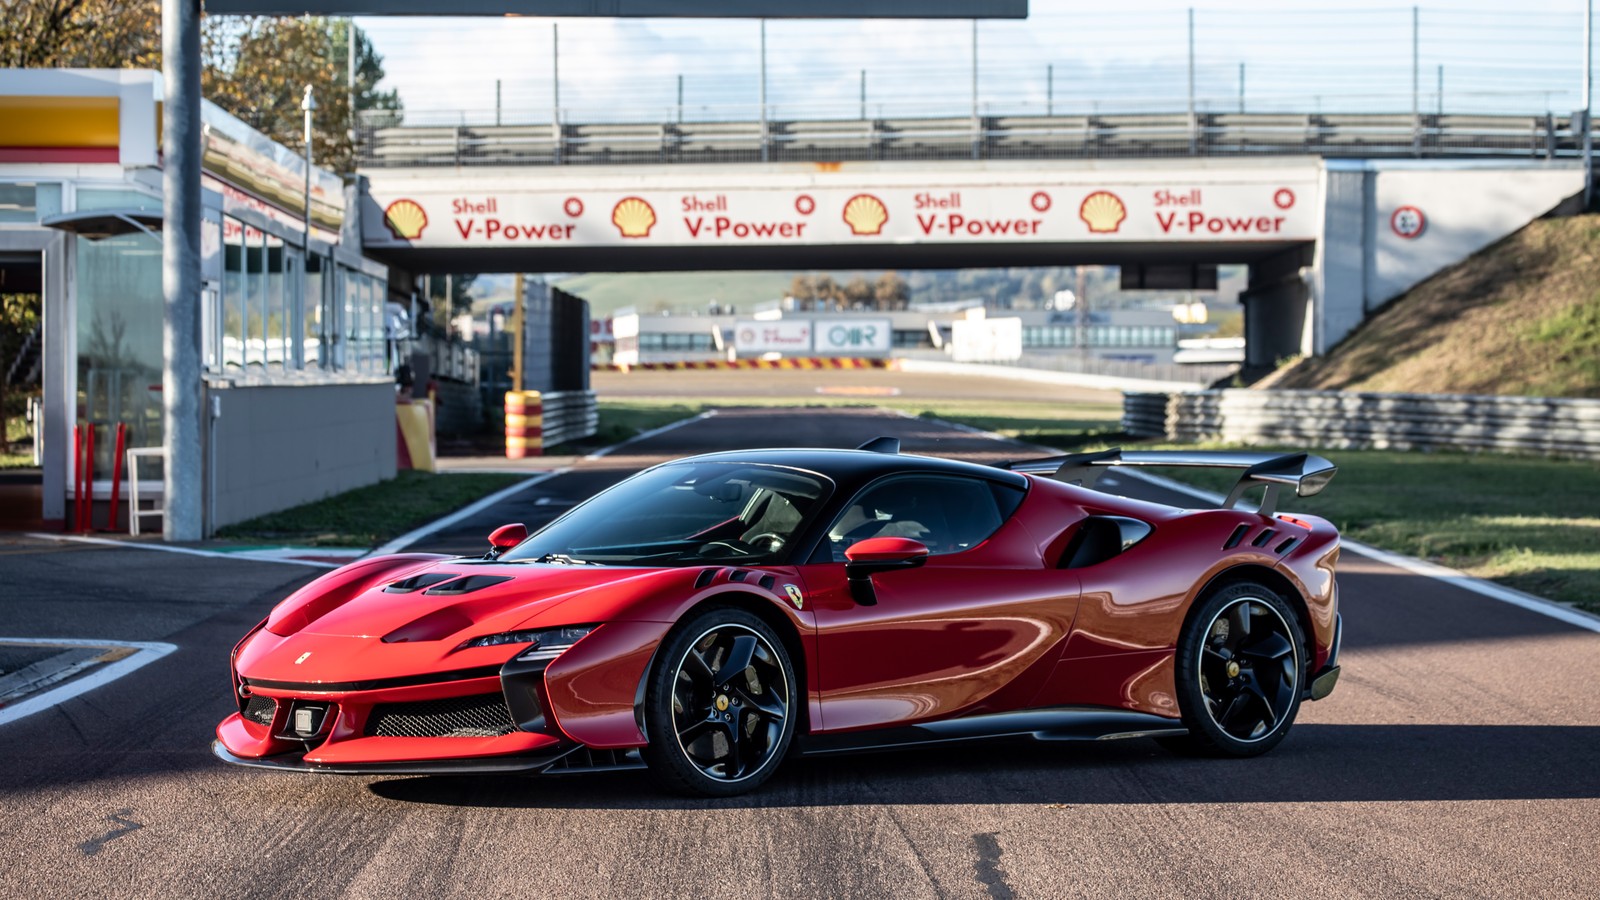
x=536 y=420
x=1337 y=419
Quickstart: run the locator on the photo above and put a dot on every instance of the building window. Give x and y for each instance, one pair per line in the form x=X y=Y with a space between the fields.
x=119 y=341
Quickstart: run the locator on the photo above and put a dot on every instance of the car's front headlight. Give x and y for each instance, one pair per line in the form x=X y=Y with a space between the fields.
x=548 y=643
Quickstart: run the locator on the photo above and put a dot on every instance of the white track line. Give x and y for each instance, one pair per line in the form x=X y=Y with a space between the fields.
x=644 y=435
x=148 y=652
x=187 y=551
x=411 y=537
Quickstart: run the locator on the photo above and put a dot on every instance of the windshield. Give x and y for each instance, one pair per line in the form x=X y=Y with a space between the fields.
x=684 y=514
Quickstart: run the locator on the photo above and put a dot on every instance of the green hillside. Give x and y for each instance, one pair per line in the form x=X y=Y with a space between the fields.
x=676 y=291
x=1521 y=317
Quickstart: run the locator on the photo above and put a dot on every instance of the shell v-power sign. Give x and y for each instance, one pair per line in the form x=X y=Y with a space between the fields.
x=1267 y=205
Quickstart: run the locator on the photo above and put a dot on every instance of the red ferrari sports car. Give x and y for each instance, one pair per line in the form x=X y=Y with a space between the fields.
x=705 y=617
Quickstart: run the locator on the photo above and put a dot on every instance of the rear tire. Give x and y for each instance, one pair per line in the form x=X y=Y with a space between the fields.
x=719 y=705
x=1240 y=670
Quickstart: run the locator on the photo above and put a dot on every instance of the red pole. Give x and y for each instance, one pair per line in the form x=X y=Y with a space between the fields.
x=116 y=474
x=77 y=475
x=87 y=524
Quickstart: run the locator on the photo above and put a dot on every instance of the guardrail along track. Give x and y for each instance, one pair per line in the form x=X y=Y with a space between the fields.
x=386 y=144
x=1336 y=419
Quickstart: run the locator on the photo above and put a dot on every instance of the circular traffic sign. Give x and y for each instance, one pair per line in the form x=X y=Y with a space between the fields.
x=1408 y=222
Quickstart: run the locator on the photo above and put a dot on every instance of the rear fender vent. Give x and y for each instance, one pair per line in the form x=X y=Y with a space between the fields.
x=1284 y=547
x=466 y=585
x=738 y=575
x=1239 y=532
x=705 y=577
x=482 y=715
x=418 y=582
x=767 y=581
x=1263 y=538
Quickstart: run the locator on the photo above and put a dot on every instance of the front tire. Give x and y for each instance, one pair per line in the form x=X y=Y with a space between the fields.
x=719 y=705
x=1239 y=669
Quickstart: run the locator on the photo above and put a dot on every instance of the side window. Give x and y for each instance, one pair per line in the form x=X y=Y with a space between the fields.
x=947 y=514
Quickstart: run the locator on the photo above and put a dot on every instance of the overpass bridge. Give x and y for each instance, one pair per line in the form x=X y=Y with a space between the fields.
x=1328 y=236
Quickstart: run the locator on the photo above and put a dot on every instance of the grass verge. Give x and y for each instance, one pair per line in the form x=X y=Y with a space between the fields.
x=368 y=516
x=1052 y=424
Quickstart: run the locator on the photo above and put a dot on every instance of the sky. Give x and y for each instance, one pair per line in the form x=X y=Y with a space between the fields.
x=1069 y=56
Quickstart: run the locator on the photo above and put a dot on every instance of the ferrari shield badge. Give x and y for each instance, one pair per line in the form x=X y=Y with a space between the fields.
x=795 y=597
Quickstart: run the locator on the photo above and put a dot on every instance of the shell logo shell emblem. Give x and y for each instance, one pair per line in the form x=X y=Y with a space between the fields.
x=633 y=217
x=795 y=597
x=865 y=214
x=1103 y=212
x=405 y=219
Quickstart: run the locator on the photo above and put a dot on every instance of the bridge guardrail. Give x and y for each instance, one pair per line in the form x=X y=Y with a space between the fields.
x=1338 y=419
x=382 y=143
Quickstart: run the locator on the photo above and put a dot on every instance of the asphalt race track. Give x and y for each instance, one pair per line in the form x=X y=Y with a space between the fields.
x=1460 y=756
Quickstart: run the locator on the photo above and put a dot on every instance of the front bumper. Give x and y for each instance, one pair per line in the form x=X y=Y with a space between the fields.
x=1323 y=682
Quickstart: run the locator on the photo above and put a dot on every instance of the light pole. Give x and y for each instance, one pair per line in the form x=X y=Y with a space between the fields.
x=308 y=105
x=181 y=415
x=1588 y=104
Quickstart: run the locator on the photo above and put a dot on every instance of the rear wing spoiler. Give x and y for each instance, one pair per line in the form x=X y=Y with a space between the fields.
x=1306 y=473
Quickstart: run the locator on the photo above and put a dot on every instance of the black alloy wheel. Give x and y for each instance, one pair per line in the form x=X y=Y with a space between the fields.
x=719 y=714
x=1239 y=669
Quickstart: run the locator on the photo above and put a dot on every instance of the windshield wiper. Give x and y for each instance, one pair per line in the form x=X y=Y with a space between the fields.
x=563 y=559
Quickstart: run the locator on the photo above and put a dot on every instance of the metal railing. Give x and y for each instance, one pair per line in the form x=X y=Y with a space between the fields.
x=1352 y=135
x=1337 y=419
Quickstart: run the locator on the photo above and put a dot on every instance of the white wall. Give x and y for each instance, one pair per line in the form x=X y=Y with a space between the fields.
x=1466 y=211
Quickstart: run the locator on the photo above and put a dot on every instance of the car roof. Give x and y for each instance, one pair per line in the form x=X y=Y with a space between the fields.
x=850 y=467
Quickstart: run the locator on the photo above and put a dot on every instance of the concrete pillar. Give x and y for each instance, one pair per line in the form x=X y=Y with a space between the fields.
x=180 y=265
x=1338 y=285
x=1276 y=304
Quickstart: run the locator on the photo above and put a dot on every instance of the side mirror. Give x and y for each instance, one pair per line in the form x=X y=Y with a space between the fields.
x=505 y=537
x=875 y=555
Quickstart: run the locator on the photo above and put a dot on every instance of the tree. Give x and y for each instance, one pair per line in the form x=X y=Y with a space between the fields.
x=858 y=292
x=111 y=34
x=891 y=291
x=255 y=68
x=803 y=288
x=19 y=319
x=369 y=72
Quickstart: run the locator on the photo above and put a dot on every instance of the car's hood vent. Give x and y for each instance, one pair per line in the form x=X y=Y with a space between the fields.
x=466 y=585
x=418 y=582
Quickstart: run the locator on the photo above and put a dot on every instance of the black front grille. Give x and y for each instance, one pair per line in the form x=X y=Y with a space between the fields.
x=260 y=709
x=482 y=715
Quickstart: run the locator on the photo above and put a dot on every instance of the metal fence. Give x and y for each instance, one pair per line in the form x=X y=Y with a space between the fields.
x=1363 y=136
x=1336 y=419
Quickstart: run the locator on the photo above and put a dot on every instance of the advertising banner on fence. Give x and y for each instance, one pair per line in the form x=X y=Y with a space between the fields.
x=791 y=338
x=1270 y=204
x=852 y=337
